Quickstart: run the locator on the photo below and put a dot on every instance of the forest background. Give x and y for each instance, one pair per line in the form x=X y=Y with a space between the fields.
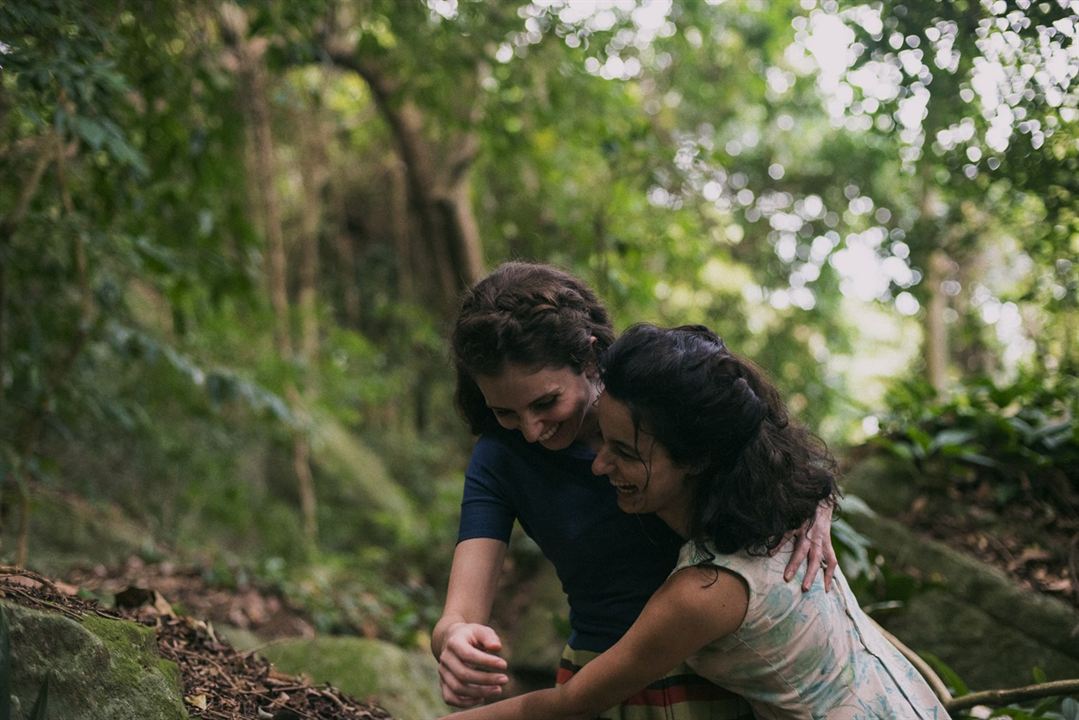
x=232 y=238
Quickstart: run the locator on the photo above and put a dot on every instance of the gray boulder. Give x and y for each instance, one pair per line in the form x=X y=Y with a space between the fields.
x=100 y=668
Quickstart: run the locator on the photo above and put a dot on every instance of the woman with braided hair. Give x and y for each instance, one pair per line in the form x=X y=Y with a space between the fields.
x=525 y=346
x=698 y=436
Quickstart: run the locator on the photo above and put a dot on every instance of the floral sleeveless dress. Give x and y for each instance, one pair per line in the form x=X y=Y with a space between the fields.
x=808 y=655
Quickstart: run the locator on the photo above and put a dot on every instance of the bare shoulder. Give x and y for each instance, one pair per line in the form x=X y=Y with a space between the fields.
x=709 y=598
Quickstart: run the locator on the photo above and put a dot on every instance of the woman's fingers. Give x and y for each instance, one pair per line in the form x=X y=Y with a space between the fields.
x=459 y=692
x=798 y=555
x=467 y=672
x=812 y=546
x=830 y=563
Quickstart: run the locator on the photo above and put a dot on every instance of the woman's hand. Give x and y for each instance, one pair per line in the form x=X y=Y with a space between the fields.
x=813 y=542
x=469 y=669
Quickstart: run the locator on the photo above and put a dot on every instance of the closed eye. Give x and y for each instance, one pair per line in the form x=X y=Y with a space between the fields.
x=544 y=402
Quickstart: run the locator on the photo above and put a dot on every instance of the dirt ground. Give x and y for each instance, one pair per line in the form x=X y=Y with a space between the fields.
x=1034 y=542
x=219 y=683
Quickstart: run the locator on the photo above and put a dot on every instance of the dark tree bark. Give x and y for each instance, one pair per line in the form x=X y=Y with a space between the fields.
x=247 y=59
x=438 y=183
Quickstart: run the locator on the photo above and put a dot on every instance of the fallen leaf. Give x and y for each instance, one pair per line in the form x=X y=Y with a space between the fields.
x=197 y=701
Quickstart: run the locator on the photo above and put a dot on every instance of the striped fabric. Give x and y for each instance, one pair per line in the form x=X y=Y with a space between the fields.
x=679 y=695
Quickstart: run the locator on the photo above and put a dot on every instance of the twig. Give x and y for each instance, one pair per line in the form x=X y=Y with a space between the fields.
x=29 y=189
x=73 y=614
x=1011 y=695
x=995 y=698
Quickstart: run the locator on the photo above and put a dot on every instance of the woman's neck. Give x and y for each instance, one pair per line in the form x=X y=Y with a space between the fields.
x=678 y=519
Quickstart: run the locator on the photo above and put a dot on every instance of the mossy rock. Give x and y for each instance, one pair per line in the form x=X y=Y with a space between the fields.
x=404 y=682
x=539 y=631
x=976 y=619
x=98 y=667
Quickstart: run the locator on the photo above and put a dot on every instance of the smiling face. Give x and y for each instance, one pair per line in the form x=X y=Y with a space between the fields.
x=642 y=472
x=551 y=406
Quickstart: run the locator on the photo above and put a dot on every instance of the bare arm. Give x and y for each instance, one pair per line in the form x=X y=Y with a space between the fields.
x=813 y=543
x=690 y=610
x=465 y=646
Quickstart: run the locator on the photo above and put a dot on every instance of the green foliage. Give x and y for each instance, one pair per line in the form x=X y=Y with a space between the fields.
x=1054 y=707
x=1020 y=437
x=878 y=586
x=708 y=180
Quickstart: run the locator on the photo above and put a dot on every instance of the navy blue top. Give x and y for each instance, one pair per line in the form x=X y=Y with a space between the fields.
x=609 y=562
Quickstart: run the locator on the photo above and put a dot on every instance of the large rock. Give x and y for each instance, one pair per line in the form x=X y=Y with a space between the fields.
x=404 y=682
x=101 y=668
x=982 y=624
x=539 y=631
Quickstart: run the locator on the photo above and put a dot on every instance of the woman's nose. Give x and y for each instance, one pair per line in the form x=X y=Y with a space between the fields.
x=601 y=465
x=531 y=428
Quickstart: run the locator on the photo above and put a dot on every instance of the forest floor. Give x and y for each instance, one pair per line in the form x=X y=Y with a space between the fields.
x=219 y=682
x=1035 y=542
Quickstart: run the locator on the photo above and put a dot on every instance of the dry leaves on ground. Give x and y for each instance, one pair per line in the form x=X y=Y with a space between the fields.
x=219 y=682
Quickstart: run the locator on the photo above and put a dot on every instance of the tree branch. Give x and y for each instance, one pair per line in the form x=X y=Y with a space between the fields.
x=1011 y=695
x=9 y=224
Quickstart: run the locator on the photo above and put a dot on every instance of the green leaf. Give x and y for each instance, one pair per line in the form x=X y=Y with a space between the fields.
x=1070 y=709
x=976 y=459
x=949 y=676
x=1039 y=675
x=920 y=439
x=901 y=450
x=951 y=437
x=89 y=130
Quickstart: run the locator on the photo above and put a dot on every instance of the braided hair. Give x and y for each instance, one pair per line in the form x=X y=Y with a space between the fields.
x=756 y=474
x=528 y=314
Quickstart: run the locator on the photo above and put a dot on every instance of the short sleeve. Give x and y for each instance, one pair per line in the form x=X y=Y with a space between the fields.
x=487 y=510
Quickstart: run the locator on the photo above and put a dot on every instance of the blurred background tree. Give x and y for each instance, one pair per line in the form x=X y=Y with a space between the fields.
x=232 y=237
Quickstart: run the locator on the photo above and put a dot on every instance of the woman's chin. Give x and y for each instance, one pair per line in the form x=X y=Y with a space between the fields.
x=631 y=503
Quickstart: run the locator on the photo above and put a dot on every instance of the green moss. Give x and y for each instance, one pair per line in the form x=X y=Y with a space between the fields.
x=404 y=682
x=129 y=645
x=100 y=667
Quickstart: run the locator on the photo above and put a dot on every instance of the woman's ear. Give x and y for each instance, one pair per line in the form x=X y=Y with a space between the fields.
x=591 y=370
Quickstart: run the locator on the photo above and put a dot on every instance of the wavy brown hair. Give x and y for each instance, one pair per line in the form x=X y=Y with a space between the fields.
x=528 y=314
x=757 y=474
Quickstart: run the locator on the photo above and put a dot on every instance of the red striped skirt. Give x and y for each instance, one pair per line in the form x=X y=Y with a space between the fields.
x=678 y=695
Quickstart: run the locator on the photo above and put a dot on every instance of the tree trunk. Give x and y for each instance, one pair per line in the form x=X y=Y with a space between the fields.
x=438 y=186
x=402 y=240
x=936 y=329
x=345 y=251
x=10 y=224
x=314 y=173
x=247 y=59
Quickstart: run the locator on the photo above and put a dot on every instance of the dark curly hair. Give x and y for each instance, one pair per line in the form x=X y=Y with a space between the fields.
x=757 y=474
x=527 y=314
